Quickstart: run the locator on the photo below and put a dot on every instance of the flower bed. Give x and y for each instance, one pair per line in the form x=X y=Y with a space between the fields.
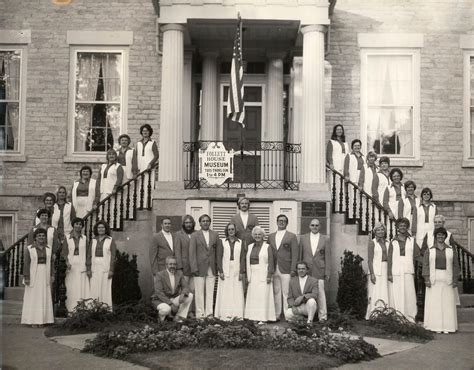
x=216 y=334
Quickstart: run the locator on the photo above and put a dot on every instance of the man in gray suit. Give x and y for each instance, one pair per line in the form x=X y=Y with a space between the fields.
x=316 y=253
x=171 y=292
x=244 y=221
x=286 y=253
x=162 y=247
x=182 y=240
x=302 y=294
x=202 y=260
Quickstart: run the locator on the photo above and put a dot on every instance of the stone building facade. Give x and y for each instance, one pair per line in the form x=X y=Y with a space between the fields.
x=434 y=42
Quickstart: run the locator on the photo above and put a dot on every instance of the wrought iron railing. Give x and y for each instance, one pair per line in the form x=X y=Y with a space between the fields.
x=133 y=195
x=257 y=165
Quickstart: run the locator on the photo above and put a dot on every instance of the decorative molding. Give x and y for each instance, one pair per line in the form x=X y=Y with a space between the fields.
x=99 y=37
x=17 y=37
x=390 y=40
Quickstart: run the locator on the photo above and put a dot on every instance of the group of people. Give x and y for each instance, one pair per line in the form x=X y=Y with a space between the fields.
x=90 y=267
x=58 y=231
x=259 y=278
x=420 y=237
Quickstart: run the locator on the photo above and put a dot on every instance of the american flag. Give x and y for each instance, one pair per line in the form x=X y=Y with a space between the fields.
x=235 y=99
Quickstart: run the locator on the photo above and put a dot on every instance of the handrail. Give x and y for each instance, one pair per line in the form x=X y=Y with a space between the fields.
x=381 y=207
x=97 y=206
x=377 y=203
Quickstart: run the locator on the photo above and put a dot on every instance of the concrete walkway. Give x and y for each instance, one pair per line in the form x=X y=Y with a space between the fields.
x=28 y=348
x=446 y=351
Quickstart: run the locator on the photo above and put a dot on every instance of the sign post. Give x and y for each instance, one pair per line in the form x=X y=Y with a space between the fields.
x=216 y=164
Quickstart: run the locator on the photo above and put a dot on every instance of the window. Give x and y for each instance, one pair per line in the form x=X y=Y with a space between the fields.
x=7 y=229
x=10 y=100
x=390 y=102
x=469 y=107
x=98 y=100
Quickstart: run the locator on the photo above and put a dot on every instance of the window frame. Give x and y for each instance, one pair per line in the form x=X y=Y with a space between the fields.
x=18 y=155
x=12 y=215
x=468 y=126
x=414 y=53
x=96 y=157
x=470 y=232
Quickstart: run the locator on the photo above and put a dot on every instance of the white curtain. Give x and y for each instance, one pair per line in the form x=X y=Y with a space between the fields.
x=10 y=90
x=390 y=100
x=6 y=231
x=88 y=68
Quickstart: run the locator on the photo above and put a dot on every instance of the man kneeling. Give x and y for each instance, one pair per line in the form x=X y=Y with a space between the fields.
x=302 y=294
x=172 y=296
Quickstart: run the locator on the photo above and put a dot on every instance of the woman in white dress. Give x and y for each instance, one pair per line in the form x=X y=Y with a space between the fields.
x=145 y=157
x=83 y=192
x=125 y=157
x=103 y=252
x=441 y=272
x=426 y=212
x=110 y=178
x=408 y=205
x=38 y=276
x=43 y=215
x=354 y=171
x=63 y=214
x=402 y=254
x=74 y=251
x=394 y=193
x=231 y=267
x=260 y=266
x=336 y=151
x=378 y=268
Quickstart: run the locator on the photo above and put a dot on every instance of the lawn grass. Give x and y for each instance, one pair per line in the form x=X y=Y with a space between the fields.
x=233 y=359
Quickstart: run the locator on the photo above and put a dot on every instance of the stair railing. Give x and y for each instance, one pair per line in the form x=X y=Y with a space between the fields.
x=357 y=205
x=135 y=194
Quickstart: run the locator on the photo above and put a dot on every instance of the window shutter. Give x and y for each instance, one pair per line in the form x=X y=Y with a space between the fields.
x=222 y=212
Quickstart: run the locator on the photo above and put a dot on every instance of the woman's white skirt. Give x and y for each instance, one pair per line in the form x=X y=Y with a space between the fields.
x=440 y=304
x=101 y=285
x=260 y=304
x=378 y=292
x=77 y=286
x=83 y=206
x=402 y=295
x=230 y=295
x=37 y=301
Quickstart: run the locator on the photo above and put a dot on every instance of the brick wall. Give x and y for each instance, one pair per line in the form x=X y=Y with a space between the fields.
x=48 y=80
x=441 y=23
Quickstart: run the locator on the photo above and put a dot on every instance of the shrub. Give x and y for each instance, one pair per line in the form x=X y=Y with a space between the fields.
x=125 y=288
x=393 y=321
x=213 y=333
x=352 y=291
x=91 y=315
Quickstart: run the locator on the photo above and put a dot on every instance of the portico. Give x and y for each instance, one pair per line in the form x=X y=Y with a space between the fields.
x=283 y=52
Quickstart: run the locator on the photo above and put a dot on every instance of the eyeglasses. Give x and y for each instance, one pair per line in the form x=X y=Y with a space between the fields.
x=314 y=225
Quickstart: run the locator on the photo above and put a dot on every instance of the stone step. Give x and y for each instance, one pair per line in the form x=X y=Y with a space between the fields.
x=467 y=300
x=14 y=294
x=466 y=315
x=11 y=319
x=11 y=308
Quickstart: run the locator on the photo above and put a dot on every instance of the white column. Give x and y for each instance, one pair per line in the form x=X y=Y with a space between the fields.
x=313 y=140
x=274 y=98
x=171 y=122
x=187 y=94
x=294 y=134
x=209 y=108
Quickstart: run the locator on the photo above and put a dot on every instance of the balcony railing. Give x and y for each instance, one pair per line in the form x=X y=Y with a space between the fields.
x=257 y=165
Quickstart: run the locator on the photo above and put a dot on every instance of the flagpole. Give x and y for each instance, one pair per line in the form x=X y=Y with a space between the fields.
x=242 y=134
